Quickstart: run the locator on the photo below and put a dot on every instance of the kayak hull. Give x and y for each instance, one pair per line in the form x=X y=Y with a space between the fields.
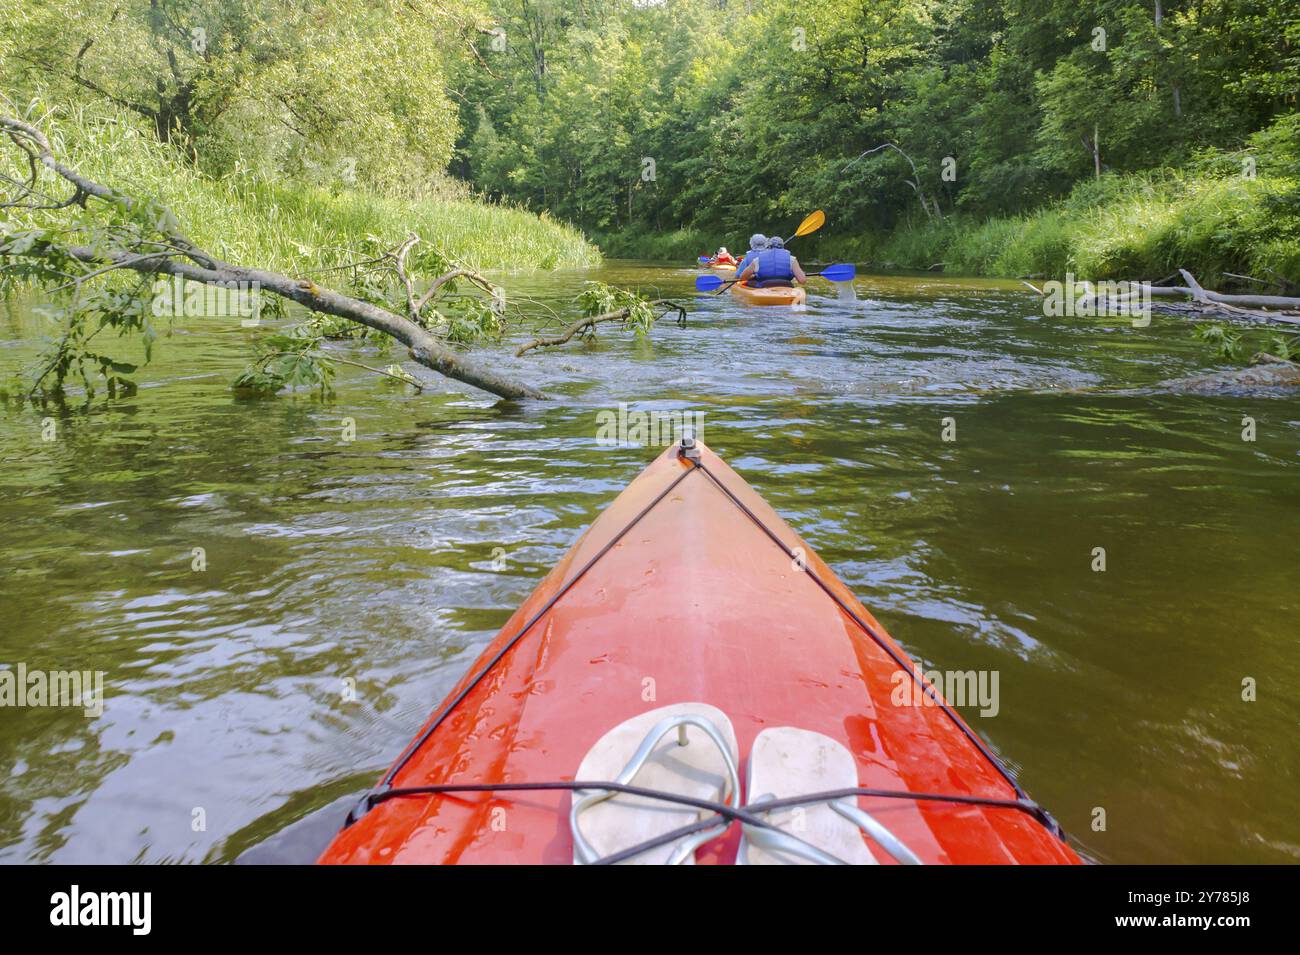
x=791 y=295
x=687 y=600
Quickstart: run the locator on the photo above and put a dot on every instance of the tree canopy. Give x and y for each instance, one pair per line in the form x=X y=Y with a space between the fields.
x=331 y=90
x=636 y=115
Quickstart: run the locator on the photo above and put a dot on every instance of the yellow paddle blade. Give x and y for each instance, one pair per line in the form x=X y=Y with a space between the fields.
x=811 y=224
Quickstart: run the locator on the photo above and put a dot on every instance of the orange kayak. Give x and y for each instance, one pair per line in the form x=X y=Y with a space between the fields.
x=690 y=604
x=788 y=295
x=723 y=268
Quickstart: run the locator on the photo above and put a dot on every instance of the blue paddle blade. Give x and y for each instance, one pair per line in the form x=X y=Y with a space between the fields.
x=839 y=273
x=707 y=283
x=703 y=260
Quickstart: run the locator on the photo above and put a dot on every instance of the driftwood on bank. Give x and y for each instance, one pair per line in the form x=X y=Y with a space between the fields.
x=1204 y=303
x=1202 y=296
x=184 y=259
x=586 y=327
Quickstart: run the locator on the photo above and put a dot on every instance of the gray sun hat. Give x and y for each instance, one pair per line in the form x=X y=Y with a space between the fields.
x=758 y=241
x=776 y=242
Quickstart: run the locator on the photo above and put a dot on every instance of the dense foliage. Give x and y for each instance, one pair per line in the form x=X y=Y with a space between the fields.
x=309 y=138
x=339 y=91
x=281 y=133
x=663 y=127
x=723 y=117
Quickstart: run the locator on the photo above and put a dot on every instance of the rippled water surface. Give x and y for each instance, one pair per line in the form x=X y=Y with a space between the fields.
x=225 y=732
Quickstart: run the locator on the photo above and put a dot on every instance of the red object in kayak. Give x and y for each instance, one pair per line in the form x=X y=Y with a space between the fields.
x=685 y=589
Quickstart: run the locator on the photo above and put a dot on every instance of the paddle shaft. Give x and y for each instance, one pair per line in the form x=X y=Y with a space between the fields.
x=726 y=285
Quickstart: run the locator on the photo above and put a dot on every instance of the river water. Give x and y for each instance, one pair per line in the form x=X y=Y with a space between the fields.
x=389 y=560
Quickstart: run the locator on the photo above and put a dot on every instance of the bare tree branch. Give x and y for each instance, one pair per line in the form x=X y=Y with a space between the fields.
x=442 y=280
x=587 y=326
x=914 y=182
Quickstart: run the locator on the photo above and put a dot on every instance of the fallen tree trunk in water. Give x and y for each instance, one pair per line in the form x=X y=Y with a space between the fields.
x=1194 y=291
x=422 y=346
x=184 y=259
x=1204 y=304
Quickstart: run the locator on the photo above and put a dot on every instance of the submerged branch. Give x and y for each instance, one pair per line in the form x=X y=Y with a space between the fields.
x=586 y=326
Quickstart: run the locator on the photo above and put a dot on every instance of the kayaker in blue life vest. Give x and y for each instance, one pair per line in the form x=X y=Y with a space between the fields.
x=757 y=243
x=772 y=266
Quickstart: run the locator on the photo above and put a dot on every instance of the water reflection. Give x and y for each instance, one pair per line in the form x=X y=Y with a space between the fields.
x=332 y=564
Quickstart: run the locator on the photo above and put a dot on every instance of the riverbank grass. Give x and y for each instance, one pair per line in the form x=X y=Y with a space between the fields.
x=297 y=228
x=1124 y=226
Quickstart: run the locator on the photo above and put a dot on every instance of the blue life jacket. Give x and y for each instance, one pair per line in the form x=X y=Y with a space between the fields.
x=745 y=262
x=774 y=264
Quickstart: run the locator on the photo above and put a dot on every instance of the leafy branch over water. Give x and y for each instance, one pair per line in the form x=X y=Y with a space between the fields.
x=1231 y=344
x=601 y=303
x=97 y=253
x=298 y=358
